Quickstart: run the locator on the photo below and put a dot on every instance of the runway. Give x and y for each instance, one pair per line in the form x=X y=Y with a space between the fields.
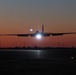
x=54 y=62
x=40 y=54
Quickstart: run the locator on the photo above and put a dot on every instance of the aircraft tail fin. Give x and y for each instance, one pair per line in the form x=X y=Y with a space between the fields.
x=42 y=28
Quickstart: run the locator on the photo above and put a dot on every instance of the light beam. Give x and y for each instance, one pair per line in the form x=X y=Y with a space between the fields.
x=39 y=36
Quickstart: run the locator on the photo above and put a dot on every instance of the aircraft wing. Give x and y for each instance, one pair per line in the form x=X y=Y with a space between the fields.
x=32 y=35
x=58 y=34
x=23 y=35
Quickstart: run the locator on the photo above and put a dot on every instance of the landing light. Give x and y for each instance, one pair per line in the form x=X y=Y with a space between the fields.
x=31 y=30
x=38 y=36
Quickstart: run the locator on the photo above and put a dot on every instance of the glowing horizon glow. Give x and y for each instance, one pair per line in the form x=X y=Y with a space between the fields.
x=38 y=36
x=19 y=16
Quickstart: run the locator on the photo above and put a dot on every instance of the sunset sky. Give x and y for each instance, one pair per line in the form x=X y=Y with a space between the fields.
x=18 y=16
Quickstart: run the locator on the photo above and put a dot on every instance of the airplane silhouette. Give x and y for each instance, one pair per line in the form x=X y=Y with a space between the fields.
x=38 y=34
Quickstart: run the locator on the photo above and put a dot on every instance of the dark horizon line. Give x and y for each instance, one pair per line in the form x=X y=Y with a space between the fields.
x=37 y=47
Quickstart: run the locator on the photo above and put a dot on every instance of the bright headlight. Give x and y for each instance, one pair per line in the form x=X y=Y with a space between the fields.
x=38 y=36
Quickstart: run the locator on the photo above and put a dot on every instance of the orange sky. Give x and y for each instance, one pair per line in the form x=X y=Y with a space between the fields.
x=19 y=16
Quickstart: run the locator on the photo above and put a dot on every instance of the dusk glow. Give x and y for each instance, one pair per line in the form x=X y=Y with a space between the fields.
x=18 y=16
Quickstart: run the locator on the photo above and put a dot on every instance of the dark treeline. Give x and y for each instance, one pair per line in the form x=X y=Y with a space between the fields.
x=44 y=48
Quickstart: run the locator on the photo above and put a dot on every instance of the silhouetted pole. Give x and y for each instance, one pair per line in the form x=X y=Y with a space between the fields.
x=0 y=44
x=63 y=44
x=24 y=44
x=58 y=44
